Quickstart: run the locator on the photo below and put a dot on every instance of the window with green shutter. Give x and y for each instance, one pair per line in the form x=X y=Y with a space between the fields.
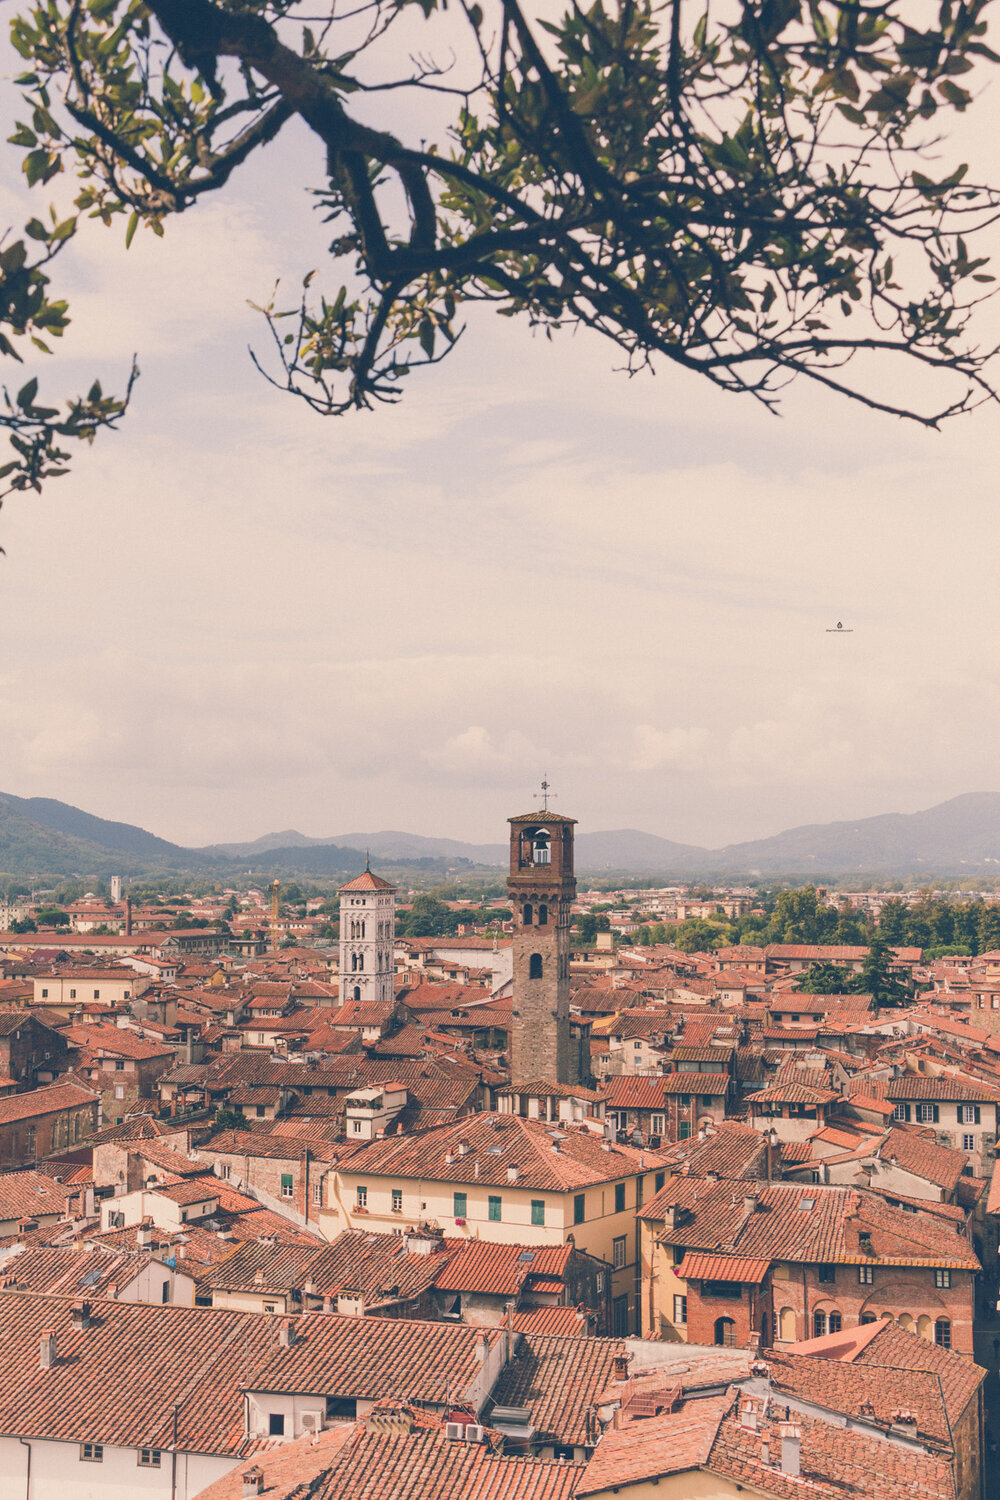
x=619 y=1197
x=579 y=1208
x=538 y=1210
x=287 y=1185
x=495 y=1203
x=460 y=1205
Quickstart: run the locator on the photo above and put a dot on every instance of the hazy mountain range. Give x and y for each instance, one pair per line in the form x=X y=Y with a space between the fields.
x=41 y=837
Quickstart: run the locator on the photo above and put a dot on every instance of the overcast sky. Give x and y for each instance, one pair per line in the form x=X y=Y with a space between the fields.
x=236 y=617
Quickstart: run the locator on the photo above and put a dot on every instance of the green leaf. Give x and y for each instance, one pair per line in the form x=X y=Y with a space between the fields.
x=133 y=225
x=426 y=336
x=26 y=395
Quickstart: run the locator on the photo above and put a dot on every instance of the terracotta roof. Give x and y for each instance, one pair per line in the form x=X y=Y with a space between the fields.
x=200 y=1361
x=500 y=1270
x=911 y=1086
x=836 y=1462
x=115 y=1041
x=669 y=1444
x=421 y=1464
x=810 y=1223
x=497 y=1144
x=366 y=881
x=25 y=1195
x=914 y=1153
x=792 y=1093
x=633 y=1093
x=44 y=1101
x=696 y=1083
x=563 y=1322
x=559 y=1379
x=377 y=1266
x=697 y=1266
x=733 y=1150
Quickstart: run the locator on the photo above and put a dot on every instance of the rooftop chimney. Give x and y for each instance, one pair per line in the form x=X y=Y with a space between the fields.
x=144 y=1234
x=512 y=1174
x=482 y=1348
x=253 y=1482
x=47 y=1355
x=81 y=1314
x=790 y=1445
x=286 y=1333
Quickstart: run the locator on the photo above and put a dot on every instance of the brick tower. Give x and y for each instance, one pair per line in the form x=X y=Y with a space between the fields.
x=541 y=887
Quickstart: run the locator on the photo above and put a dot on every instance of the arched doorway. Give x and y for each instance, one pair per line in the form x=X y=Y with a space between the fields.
x=725 y=1333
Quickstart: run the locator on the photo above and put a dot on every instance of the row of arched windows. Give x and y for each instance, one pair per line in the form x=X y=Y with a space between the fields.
x=937 y=1330
x=357 y=929
x=528 y=914
x=357 y=963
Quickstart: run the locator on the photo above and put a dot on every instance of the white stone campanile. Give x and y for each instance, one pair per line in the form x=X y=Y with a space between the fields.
x=367 y=938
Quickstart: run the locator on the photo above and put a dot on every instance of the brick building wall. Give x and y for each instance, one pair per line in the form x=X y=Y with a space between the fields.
x=30 y=1048
x=270 y=1176
x=894 y=1291
x=26 y=1141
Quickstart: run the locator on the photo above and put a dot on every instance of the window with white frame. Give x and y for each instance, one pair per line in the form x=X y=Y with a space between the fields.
x=657 y=1125
x=92 y=1453
x=967 y=1114
x=866 y=1275
x=619 y=1251
x=680 y=1308
x=942 y=1278
x=361 y=1196
x=318 y=1192
x=968 y=1143
x=149 y=1458
x=925 y=1113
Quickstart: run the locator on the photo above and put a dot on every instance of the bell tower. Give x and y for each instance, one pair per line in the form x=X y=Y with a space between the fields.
x=541 y=886
x=367 y=938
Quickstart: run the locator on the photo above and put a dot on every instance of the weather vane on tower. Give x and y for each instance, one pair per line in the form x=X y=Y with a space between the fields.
x=545 y=793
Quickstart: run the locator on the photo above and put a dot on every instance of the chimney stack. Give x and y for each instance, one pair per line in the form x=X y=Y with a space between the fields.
x=482 y=1348
x=286 y=1333
x=144 y=1234
x=790 y=1455
x=253 y=1482
x=81 y=1314
x=47 y=1355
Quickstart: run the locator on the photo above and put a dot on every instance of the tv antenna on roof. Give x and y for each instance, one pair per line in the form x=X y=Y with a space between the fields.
x=545 y=793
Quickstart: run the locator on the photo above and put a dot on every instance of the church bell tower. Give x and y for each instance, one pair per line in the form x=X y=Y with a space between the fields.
x=541 y=886
x=367 y=938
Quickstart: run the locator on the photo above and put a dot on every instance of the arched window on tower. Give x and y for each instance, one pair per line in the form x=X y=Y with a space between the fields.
x=357 y=992
x=535 y=966
x=361 y=961
x=527 y=914
x=543 y=915
x=362 y=932
x=541 y=851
